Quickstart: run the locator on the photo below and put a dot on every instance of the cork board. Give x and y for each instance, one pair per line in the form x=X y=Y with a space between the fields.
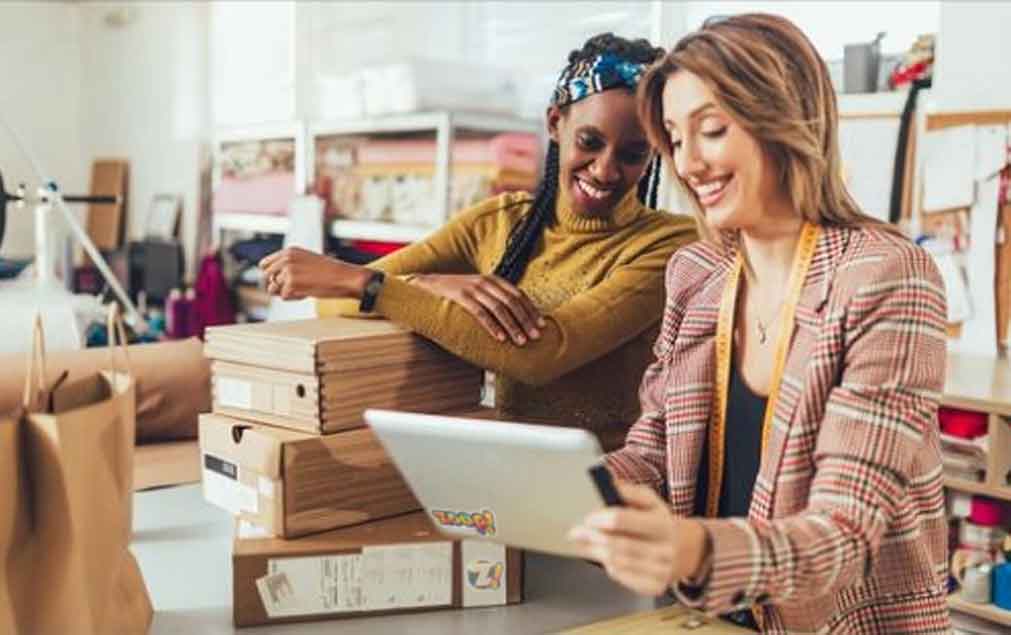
x=1002 y=251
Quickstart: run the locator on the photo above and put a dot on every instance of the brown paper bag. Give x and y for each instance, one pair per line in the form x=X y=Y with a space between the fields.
x=68 y=568
x=14 y=525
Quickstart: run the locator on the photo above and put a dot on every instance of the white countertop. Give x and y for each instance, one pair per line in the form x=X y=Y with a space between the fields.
x=183 y=545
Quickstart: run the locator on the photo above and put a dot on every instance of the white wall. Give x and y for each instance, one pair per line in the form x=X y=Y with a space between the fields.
x=144 y=97
x=973 y=69
x=252 y=65
x=83 y=89
x=530 y=38
x=831 y=24
x=39 y=69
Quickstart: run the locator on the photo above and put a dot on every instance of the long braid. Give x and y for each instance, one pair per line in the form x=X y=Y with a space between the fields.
x=527 y=232
x=525 y=235
x=649 y=185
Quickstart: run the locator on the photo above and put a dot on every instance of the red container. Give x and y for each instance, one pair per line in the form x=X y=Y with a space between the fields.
x=964 y=424
x=986 y=512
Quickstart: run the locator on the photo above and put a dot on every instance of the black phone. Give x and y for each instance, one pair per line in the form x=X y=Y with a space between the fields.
x=605 y=485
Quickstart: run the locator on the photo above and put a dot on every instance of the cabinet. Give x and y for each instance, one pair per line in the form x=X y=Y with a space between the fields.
x=445 y=128
x=228 y=214
x=983 y=385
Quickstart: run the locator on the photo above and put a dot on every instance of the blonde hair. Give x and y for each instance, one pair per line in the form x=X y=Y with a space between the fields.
x=768 y=77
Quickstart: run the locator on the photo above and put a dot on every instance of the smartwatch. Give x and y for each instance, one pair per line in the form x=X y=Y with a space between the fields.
x=371 y=292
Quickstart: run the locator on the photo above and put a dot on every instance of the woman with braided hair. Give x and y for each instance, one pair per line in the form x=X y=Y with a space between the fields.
x=560 y=292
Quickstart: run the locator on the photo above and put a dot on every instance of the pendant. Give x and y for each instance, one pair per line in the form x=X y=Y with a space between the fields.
x=762 y=333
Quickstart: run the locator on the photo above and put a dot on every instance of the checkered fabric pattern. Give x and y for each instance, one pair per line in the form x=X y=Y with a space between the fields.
x=846 y=533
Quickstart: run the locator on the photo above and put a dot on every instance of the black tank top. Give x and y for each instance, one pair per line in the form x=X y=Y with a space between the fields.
x=745 y=414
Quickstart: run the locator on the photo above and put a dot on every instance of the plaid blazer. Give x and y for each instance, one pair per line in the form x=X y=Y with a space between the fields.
x=846 y=532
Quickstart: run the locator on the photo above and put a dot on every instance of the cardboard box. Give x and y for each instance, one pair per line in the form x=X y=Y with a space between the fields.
x=334 y=402
x=292 y=484
x=394 y=565
x=109 y=177
x=319 y=346
x=320 y=375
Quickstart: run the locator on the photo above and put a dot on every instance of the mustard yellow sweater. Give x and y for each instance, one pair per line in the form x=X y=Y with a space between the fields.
x=598 y=282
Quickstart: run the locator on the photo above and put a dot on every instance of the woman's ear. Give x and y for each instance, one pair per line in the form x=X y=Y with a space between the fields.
x=554 y=119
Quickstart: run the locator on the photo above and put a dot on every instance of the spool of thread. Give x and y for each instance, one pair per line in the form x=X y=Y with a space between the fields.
x=192 y=318
x=959 y=504
x=177 y=315
x=986 y=512
x=1002 y=586
x=976 y=583
x=964 y=424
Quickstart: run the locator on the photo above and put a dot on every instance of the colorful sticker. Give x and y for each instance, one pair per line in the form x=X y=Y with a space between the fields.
x=483 y=521
x=485 y=574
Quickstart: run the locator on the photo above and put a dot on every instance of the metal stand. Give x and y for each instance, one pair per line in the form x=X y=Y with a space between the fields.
x=48 y=196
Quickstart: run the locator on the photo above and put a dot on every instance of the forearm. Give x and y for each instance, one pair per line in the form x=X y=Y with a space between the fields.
x=780 y=563
x=455 y=329
x=405 y=263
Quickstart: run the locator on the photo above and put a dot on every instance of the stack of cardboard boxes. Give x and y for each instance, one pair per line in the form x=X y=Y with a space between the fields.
x=327 y=527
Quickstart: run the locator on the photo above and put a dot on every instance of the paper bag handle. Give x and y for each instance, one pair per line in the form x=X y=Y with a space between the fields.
x=114 y=326
x=35 y=368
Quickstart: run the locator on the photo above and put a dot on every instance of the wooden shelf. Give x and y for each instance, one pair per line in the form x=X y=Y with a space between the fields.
x=375 y=230
x=978 y=383
x=423 y=121
x=987 y=612
x=982 y=489
x=982 y=384
x=265 y=223
x=872 y=105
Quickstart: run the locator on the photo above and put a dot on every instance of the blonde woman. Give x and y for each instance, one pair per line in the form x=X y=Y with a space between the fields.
x=786 y=470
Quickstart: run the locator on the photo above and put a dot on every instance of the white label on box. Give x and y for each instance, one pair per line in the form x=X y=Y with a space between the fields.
x=266 y=487
x=221 y=481
x=223 y=488
x=484 y=572
x=233 y=393
x=407 y=576
x=312 y=586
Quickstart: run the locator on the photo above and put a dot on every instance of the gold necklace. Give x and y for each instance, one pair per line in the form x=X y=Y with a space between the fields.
x=763 y=328
x=761 y=325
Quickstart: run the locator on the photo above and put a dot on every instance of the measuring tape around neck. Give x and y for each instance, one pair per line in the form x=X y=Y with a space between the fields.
x=724 y=349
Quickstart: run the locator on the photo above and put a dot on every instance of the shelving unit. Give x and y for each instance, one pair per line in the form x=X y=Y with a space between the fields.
x=377 y=230
x=251 y=302
x=266 y=223
x=872 y=105
x=983 y=385
x=445 y=125
x=294 y=130
x=987 y=612
x=981 y=489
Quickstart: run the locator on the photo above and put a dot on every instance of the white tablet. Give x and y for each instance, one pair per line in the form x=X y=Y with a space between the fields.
x=517 y=484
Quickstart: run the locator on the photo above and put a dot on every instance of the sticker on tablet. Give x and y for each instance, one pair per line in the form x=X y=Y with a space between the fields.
x=485 y=574
x=483 y=522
